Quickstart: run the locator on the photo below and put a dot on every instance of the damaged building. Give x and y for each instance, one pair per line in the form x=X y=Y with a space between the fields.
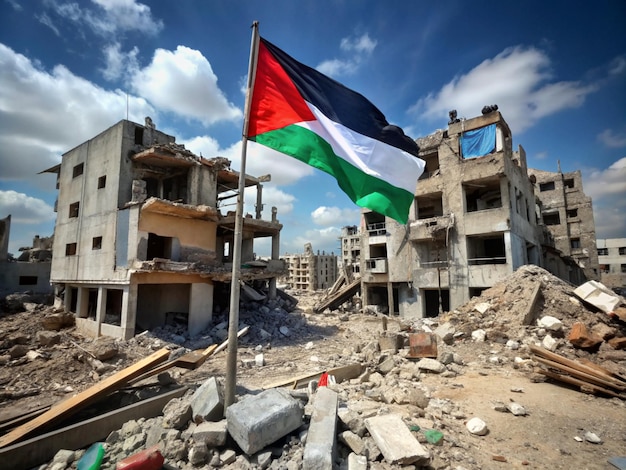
x=567 y=213
x=309 y=271
x=475 y=219
x=30 y=271
x=140 y=240
x=612 y=263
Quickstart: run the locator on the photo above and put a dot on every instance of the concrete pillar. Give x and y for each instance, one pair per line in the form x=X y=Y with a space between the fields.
x=319 y=451
x=129 y=310
x=100 y=308
x=259 y=200
x=200 y=307
x=82 y=302
x=275 y=256
x=390 y=299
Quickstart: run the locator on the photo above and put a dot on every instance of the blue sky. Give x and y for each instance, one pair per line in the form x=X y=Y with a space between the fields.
x=70 y=69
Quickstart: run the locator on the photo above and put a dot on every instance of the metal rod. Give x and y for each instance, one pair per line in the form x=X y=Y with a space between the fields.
x=233 y=317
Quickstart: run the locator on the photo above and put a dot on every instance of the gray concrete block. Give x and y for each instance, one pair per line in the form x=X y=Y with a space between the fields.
x=319 y=450
x=357 y=462
x=207 y=402
x=395 y=441
x=213 y=434
x=262 y=419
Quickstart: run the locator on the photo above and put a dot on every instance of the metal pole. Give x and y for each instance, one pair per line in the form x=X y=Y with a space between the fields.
x=233 y=317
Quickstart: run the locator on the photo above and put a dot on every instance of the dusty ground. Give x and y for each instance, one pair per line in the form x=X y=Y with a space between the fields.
x=544 y=439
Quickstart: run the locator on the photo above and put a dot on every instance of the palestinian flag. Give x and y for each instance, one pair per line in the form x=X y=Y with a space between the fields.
x=300 y=112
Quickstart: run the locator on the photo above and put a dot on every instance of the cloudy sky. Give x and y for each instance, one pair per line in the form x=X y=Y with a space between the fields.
x=71 y=69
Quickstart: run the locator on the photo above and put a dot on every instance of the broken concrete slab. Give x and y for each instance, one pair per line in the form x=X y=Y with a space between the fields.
x=319 y=451
x=598 y=295
x=212 y=433
x=395 y=441
x=207 y=402
x=262 y=419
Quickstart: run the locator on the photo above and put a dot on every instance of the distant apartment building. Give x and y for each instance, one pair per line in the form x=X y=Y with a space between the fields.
x=568 y=215
x=30 y=270
x=474 y=220
x=350 y=241
x=140 y=239
x=309 y=271
x=612 y=263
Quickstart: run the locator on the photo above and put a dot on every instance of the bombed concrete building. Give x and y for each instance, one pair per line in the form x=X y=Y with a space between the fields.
x=30 y=270
x=309 y=271
x=140 y=240
x=474 y=220
x=612 y=263
x=567 y=213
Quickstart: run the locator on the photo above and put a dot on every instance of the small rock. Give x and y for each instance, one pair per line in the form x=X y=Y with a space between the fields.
x=592 y=437
x=550 y=323
x=477 y=426
x=479 y=335
x=516 y=409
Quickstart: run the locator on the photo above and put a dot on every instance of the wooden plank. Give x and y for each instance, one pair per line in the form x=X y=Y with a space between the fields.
x=602 y=370
x=341 y=373
x=572 y=364
x=85 y=398
x=41 y=449
x=581 y=383
x=580 y=375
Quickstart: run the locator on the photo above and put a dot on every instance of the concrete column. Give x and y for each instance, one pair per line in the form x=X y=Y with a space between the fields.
x=100 y=308
x=259 y=200
x=275 y=256
x=82 y=302
x=129 y=310
x=390 y=298
x=200 y=307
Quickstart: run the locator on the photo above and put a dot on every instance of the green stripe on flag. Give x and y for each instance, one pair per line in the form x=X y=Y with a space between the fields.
x=363 y=189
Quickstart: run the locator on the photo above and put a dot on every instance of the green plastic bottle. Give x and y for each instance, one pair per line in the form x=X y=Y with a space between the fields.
x=92 y=459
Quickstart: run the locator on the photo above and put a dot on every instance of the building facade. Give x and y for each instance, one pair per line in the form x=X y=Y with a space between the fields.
x=567 y=213
x=140 y=240
x=350 y=241
x=612 y=263
x=474 y=220
x=309 y=271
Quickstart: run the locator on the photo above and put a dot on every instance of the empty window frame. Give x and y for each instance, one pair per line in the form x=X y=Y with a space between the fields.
x=568 y=183
x=96 y=243
x=28 y=280
x=78 y=170
x=102 y=182
x=575 y=243
x=572 y=213
x=623 y=268
x=139 y=135
x=74 y=208
x=486 y=250
x=431 y=167
x=70 y=249
x=605 y=268
x=551 y=218
x=549 y=186
x=622 y=250
x=430 y=205
x=482 y=195
x=603 y=251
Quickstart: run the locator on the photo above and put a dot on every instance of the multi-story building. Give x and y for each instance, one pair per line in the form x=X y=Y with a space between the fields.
x=139 y=237
x=474 y=220
x=309 y=271
x=350 y=251
x=612 y=263
x=568 y=215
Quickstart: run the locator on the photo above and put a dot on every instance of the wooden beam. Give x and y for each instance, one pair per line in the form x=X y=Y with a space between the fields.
x=84 y=398
x=341 y=373
x=581 y=375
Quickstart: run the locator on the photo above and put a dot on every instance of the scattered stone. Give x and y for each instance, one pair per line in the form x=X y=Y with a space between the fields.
x=431 y=365
x=48 y=338
x=207 y=402
x=550 y=323
x=395 y=441
x=213 y=434
x=479 y=335
x=320 y=442
x=17 y=351
x=177 y=413
x=57 y=321
x=592 y=437
x=516 y=409
x=477 y=426
x=580 y=337
x=550 y=343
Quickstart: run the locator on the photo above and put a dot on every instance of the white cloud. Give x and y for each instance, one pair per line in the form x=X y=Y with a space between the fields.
x=183 y=82
x=118 y=63
x=25 y=209
x=541 y=155
x=332 y=216
x=47 y=21
x=109 y=17
x=45 y=113
x=607 y=188
x=360 y=47
x=612 y=139
x=517 y=80
x=617 y=66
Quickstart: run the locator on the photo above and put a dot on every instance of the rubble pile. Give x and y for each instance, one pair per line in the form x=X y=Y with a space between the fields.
x=381 y=405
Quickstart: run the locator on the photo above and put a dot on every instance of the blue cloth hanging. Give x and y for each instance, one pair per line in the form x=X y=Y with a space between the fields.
x=478 y=142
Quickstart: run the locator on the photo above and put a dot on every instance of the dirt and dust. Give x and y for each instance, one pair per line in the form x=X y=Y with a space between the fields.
x=550 y=436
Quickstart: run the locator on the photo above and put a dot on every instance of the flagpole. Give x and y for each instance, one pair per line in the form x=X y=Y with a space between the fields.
x=233 y=317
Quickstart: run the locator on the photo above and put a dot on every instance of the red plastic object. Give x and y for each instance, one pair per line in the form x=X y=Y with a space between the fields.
x=323 y=381
x=148 y=459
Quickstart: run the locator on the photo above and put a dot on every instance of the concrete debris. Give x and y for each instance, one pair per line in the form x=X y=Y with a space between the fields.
x=477 y=426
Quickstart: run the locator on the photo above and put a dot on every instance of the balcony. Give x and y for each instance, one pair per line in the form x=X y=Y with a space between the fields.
x=427 y=229
x=376 y=265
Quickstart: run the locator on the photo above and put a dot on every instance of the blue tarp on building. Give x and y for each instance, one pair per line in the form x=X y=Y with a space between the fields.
x=478 y=142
